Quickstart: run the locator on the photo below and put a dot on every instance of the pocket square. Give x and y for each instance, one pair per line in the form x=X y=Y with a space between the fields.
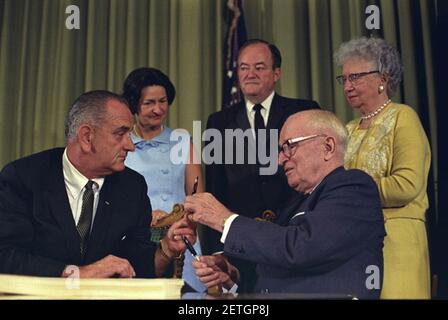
x=297 y=214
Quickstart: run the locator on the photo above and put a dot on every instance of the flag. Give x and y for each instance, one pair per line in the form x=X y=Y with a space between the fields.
x=236 y=36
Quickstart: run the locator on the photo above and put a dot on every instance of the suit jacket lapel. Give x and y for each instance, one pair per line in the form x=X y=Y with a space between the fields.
x=60 y=209
x=291 y=209
x=241 y=117
x=276 y=113
x=103 y=217
x=242 y=122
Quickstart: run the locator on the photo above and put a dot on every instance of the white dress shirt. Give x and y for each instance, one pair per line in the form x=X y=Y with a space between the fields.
x=264 y=111
x=75 y=185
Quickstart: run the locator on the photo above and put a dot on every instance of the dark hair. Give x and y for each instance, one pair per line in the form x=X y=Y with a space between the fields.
x=89 y=108
x=275 y=52
x=141 y=78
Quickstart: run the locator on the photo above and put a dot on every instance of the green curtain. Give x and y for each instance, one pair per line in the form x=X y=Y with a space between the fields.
x=44 y=66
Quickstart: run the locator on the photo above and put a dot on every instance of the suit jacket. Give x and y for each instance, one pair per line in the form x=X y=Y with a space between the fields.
x=322 y=244
x=38 y=235
x=240 y=187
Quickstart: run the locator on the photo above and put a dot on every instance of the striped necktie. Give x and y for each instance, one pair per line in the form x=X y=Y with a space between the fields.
x=85 y=220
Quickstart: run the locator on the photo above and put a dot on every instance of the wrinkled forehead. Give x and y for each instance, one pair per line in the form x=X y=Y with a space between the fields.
x=118 y=114
x=294 y=127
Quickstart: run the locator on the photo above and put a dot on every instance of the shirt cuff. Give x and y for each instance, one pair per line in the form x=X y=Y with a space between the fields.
x=231 y=290
x=227 y=224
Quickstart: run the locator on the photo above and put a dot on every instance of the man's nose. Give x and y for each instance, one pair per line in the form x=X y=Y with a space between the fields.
x=252 y=73
x=281 y=158
x=129 y=145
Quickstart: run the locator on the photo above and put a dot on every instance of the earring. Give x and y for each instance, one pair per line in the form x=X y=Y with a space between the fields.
x=380 y=89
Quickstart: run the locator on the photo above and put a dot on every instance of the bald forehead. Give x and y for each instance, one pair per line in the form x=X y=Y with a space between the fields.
x=296 y=121
x=294 y=126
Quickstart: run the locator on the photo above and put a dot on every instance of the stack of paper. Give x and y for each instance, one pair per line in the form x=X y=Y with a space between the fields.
x=26 y=287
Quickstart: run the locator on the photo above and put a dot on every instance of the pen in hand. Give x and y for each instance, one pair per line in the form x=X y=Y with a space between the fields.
x=190 y=248
x=195 y=185
x=184 y=238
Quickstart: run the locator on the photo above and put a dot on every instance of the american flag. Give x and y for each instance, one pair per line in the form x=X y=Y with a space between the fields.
x=236 y=36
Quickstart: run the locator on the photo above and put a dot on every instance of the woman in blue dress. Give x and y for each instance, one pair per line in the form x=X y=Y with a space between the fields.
x=163 y=156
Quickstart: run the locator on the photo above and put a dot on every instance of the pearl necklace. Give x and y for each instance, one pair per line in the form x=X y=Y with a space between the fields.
x=374 y=113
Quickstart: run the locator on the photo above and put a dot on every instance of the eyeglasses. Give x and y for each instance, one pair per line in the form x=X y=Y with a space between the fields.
x=354 y=77
x=289 y=144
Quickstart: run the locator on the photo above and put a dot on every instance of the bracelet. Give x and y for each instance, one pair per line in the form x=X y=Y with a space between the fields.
x=163 y=252
x=167 y=256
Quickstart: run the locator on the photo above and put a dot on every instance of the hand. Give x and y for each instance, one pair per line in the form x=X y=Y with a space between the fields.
x=173 y=239
x=157 y=215
x=216 y=270
x=205 y=209
x=107 y=267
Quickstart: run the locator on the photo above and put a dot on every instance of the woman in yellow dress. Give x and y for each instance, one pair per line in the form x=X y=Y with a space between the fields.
x=389 y=143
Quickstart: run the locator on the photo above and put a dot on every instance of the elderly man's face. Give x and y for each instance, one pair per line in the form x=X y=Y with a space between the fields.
x=303 y=167
x=111 y=141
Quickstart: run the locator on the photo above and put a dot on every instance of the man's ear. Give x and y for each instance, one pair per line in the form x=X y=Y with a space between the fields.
x=85 y=136
x=277 y=74
x=329 y=148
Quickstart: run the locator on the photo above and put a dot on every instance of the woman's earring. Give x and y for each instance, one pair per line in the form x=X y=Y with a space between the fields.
x=380 y=89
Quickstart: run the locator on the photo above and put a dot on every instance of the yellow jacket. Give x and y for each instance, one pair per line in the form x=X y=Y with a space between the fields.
x=395 y=151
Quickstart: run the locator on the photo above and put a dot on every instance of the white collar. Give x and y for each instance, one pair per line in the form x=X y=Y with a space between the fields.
x=74 y=180
x=266 y=104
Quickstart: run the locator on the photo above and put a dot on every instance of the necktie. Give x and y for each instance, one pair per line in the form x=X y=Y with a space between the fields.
x=85 y=220
x=259 y=124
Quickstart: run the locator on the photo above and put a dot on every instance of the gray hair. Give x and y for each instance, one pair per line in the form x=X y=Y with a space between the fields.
x=89 y=108
x=384 y=57
x=323 y=120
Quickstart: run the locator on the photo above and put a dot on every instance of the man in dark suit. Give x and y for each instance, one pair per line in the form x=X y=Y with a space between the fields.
x=328 y=242
x=241 y=187
x=80 y=208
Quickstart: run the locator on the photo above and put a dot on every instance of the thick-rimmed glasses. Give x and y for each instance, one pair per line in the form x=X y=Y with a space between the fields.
x=353 y=77
x=289 y=144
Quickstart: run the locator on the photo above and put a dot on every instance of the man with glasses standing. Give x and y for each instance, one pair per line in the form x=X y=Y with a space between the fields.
x=329 y=242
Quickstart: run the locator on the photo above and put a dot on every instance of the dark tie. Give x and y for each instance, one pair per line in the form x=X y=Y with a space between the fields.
x=85 y=220
x=259 y=124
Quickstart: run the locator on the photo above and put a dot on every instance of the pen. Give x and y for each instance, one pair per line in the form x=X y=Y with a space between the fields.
x=184 y=238
x=190 y=248
x=195 y=185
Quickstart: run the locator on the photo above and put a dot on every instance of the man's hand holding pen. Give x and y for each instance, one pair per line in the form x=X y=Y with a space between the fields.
x=216 y=270
x=205 y=209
